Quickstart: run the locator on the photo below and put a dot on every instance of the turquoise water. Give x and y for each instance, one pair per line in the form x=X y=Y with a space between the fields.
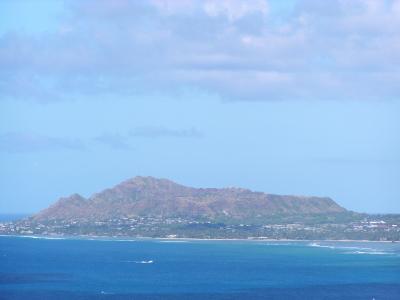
x=35 y=268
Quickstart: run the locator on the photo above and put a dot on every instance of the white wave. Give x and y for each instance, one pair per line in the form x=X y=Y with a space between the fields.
x=278 y=244
x=341 y=247
x=353 y=249
x=105 y=239
x=370 y=252
x=174 y=241
x=40 y=237
x=321 y=246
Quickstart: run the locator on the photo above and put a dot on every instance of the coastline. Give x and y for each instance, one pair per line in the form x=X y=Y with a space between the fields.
x=176 y=239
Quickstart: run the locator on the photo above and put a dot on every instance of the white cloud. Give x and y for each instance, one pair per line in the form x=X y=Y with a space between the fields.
x=231 y=9
x=234 y=9
x=237 y=49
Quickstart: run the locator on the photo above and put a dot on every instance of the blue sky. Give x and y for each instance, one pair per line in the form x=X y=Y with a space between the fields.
x=288 y=97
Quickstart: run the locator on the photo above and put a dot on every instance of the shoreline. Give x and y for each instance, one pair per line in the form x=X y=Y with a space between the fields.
x=175 y=239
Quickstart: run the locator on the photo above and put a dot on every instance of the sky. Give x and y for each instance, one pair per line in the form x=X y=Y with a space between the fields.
x=298 y=97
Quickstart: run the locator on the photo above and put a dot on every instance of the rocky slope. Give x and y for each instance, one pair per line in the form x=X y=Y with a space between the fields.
x=148 y=196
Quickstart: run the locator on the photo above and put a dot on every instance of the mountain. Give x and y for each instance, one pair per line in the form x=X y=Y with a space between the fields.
x=148 y=196
x=159 y=208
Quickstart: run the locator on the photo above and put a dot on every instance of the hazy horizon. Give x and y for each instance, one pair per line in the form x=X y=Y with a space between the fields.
x=285 y=97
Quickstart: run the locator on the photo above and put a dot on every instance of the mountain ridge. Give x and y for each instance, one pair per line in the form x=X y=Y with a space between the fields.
x=150 y=196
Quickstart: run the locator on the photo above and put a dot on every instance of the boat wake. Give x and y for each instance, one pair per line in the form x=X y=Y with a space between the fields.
x=140 y=261
x=144 y=262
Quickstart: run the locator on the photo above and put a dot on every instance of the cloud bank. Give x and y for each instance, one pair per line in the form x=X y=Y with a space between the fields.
x=236 y=49
x=26 y=142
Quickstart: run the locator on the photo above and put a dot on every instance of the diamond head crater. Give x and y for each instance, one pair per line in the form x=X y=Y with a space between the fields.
x=160 y=208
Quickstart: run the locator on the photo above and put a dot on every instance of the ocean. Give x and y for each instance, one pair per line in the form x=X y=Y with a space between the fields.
x=44 y=268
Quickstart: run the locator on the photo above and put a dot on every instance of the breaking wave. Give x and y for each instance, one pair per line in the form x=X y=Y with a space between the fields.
x=354 y=249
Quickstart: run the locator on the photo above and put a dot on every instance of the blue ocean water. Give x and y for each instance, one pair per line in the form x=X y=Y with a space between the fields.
x=39 y=268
